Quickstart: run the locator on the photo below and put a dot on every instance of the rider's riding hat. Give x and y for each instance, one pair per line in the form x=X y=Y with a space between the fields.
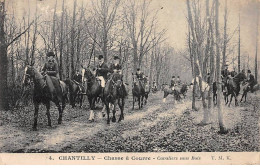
x=248 y=71
x=50 y=54
x=138 y=69
x=173 y=76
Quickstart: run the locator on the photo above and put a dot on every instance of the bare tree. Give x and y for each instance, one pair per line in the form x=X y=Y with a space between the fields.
x=140 y=25
x=218 y=69
x=4 y=44
x=104 y=15
x=256 y=45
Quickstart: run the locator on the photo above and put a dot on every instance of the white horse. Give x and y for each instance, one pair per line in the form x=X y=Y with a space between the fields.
x=205 y=86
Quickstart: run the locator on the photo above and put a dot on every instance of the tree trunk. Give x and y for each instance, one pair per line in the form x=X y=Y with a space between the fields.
x=225 y=37
x=61 y=42
x=239 y=41
x=73 y=39
x=219 y=98
x=256 y=45
x=3 y=62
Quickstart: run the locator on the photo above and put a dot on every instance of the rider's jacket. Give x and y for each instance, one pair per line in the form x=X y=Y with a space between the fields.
x=173 y=82
x=50 y=68
x=251 y=79
x=102 y=70
x=114 y=67
x=225 y=73
x=77 y=78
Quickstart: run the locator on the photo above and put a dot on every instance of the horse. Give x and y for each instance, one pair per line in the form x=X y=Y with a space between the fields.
x=93 y=91
x=138 y=92
x=246 y=89
x=215 y=89
x=233 y=86
x=42 y=93
x=184 y=90
x=168 y=90
x=114 y=94
x=205 y=86
x=74 y=92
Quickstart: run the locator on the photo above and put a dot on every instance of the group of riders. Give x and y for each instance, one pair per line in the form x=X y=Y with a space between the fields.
x=101 y=71
x=226 y=75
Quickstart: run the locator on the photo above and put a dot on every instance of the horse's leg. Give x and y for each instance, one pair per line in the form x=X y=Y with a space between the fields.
x=81 y=100
x=60 y=112
x=236 y=103
x=226 y=98
x=133 y=102
x=103 y=110
x=91 y=104
x=114 y=112
x=36 y=110
x=108 y=111
x=142 y=101
x=243 y=95
x=48 y=113
x=121 y=106
x=230 y=99
x=164 y=96
x=139 y=102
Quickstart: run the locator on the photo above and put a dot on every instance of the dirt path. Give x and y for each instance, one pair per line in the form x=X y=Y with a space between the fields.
x=75 y=130
x=157 y=127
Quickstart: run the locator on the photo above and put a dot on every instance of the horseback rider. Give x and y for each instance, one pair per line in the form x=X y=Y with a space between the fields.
x=225 y=72
x=78 y=80
x=139 y=74
x=178 y=80
x=50 y=68
x=208 y=78
x=117 y=68
x=102 y=70
x=250 y=80
x=154 y=85
x=225 y=76
x=173 y=82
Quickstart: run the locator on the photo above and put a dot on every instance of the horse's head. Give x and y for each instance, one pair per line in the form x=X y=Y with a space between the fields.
x=29 y=73
x=117 y=79
x=241 y=76
x=86 y=73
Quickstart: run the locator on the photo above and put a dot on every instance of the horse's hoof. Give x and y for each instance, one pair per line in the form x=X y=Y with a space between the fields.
x=108 y=122
x=59 y=121
x=34 y=129
x=49 y=125
x=103 y=115
x=91 y=120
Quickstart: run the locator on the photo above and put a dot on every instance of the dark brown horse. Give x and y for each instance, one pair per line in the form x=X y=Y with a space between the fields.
x=138 y=92
x=75 y=95
x=42 y=94
x=93 y=91
x=233 y=86
x=114 y=94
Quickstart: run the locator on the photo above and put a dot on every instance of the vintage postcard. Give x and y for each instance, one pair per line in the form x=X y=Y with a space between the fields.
x=135 y=82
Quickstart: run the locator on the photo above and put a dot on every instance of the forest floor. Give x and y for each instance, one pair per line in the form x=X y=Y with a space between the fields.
x=158 y=127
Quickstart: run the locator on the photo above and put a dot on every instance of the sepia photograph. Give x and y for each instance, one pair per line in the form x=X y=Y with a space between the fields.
x=129 y=81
